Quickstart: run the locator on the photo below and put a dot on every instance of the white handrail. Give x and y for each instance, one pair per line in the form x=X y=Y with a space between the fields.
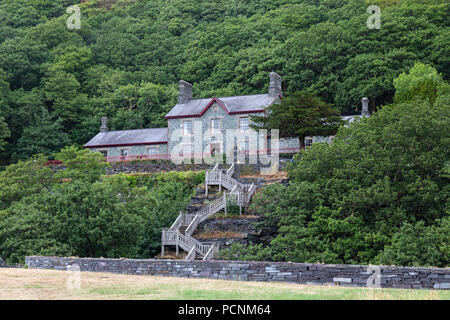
x=178 y=222
x=191 y=254
x=230 y=171
x=209 y=253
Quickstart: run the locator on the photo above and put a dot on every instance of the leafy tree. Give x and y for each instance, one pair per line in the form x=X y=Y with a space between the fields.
x=4 y=110
x=76 y=218
x=25 y=229
x=422 y=81
x=4 y=133
x=24 y=178
x=45 y=136
x=419 y=245
x=299 y=115
x=81 y=164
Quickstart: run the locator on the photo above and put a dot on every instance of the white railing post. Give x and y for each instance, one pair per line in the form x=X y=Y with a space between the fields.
x=225 y=202
x=206 y=182
x=176 y=248
x=162 y=242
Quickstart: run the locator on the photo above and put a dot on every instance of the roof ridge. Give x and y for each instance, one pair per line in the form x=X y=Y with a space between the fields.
x=133 y=130
x=217 y=97
x=246 y=95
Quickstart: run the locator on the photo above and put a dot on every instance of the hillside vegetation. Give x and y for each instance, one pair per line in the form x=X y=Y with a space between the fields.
x=81 y=212
x=378 y=194
x=126 y=59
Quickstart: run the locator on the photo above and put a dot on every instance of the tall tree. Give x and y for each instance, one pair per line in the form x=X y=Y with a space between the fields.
x=4 y=133
x=422 y=81
x=44 y=136
x=300 y=114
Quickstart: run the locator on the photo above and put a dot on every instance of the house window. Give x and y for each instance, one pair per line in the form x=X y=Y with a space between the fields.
x=187 y=127
x=308 y=142
x=124 y=152
x=244 y=146
x=215 y=125
x=244 y=123
x=104 y=153
x=152 y=151
x=187 y=151
x=215 y=149
x=282 y=145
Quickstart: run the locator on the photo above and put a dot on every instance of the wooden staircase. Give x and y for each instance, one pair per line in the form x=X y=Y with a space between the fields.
x=180 y=233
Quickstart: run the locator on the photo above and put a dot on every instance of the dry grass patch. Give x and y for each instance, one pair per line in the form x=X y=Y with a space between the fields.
x=218 y=235
x=51 y=285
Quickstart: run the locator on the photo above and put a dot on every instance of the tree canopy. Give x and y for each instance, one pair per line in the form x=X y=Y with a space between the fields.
x=299 y=114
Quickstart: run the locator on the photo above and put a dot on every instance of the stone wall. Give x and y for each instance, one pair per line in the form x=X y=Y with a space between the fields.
x=304 y=273
x=133 y=150
x=148 y=166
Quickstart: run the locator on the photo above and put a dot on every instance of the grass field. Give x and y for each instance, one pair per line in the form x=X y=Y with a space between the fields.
x=50 y=284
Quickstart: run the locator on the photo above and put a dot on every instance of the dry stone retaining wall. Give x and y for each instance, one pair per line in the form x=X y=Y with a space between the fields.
x=304 y=273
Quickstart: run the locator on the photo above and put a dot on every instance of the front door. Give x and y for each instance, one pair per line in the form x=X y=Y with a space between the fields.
x=215 y=149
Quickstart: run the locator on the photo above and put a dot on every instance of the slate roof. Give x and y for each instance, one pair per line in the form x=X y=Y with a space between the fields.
x=129 y=138
x=352 y=118
x=237 y=104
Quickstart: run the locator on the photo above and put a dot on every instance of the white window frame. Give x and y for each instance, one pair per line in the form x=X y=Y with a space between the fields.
x=244 y=146
x=213 y=130
x=121 y=150
x=184 y=146
x=184 y=127
x=103 y=150
x=248 y=124
x=152 y=148
x=282 y=144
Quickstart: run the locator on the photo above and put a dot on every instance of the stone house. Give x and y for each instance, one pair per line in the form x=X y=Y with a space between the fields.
x=124 y=145
x=200 y=127
x=214 y=116
x=216 y=119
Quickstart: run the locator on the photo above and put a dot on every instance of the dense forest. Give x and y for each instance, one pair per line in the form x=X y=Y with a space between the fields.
x=125 y=60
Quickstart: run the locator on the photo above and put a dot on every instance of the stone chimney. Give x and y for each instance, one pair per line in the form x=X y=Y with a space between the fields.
x=275 y=85
x=104 y=127
x=185 y=92
x=365 y=107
